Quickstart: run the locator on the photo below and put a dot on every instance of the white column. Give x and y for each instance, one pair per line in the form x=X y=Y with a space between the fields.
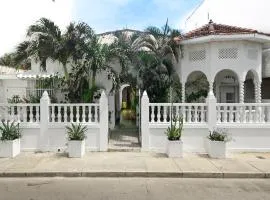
x=44 y=121
x=211 y=108
x=103 y=122
x=183 y=92
x=259 y=92
x=241 y=92
x=145 y=121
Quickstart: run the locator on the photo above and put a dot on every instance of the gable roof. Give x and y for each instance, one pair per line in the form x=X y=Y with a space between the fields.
x=217 y=29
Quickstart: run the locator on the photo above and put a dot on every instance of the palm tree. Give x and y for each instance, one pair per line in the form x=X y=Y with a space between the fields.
x=47 y=41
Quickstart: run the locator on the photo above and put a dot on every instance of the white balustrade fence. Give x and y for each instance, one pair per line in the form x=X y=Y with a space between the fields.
x=247 y=123
x=85 y=113
x=243 y=113
x=191 y=112
x=43 y=125
x=20 y=112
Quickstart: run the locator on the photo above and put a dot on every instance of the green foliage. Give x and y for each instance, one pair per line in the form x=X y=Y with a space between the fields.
x=9 y=131
x=174 y=132
x=219 y=135
x=76 y=132
x=15 y=99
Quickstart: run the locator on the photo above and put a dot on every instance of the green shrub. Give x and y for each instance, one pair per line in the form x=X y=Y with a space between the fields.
x=219 y=135
x=174 y=132
x=76 y=132
x=9 y=131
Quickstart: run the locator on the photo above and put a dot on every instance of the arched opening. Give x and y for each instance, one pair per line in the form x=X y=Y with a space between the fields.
x=226 y=86
x=127 y=105
x=249 y=86
x=197 y=87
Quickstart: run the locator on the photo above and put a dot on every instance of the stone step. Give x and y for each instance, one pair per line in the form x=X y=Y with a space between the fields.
x=113 y=149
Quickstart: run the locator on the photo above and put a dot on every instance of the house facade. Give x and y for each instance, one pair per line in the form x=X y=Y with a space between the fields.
x=234 y=61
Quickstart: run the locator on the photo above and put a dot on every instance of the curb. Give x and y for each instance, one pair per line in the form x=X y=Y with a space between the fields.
x=137 y=174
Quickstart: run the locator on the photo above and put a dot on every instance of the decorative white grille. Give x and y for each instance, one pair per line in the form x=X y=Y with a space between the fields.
x=228 y=53
x=253 y=54
x=197 y=55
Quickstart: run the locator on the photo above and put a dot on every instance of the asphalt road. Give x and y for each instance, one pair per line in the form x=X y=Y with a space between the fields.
x=133 y=188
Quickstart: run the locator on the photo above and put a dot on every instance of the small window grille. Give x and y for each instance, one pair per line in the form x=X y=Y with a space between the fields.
x=253 y=54
x=197 y=55
x=228 y=53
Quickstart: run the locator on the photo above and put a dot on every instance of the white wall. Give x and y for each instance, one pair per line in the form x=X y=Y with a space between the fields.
x=13 y=87
x=57 y=138
x=211 y=65
x=252 y=139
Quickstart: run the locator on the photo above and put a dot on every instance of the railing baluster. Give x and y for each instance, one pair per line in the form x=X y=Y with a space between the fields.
x=83 y=114
x=96 y=114
x=195 y=114
x=37 y=113
x=202 y=114
x=158 y=114
x=31 y=113
x=71 y=113
x=59 y=115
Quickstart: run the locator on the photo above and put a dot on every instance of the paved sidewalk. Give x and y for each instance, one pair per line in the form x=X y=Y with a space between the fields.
x=136 y=164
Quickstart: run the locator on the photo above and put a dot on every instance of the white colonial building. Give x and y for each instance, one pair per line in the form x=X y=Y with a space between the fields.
x=234 y=61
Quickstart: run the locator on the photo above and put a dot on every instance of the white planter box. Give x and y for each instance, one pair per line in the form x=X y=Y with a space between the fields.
x=217 y=149
x=76 y=148
x=175 y=149
x=10 y=148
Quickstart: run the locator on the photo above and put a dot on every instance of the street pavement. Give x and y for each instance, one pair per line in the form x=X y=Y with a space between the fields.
x=135 y=164
x=133 y=188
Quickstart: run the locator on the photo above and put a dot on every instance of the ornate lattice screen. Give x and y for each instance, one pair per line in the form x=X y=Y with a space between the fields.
x=228 y=53
x=197 y=55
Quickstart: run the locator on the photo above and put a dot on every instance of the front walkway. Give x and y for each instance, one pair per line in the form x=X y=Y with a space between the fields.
x=133 y=164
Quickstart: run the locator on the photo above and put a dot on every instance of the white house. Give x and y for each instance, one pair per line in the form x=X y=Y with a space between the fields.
x=234 y=61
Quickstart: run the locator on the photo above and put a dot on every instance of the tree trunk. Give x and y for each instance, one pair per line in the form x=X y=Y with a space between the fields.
x=66 y=72
x=93 y=85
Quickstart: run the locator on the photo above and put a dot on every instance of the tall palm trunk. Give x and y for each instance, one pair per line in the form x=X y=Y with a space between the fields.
x=66 y=72
x=93 y=84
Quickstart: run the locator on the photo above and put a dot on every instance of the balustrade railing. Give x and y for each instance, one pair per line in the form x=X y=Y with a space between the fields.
x=20 y=112
x=243 y=113
x=85 y=113
x=164 y=112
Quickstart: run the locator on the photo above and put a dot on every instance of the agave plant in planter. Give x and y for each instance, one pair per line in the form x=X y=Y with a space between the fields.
x=174 y=133
x=76 y=140
x=217 y=143
x=10 y=139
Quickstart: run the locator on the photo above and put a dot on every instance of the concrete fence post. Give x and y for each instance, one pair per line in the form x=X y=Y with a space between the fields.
x=212 y=111
x=103 y=122
x=145 y=121
x=44 y=122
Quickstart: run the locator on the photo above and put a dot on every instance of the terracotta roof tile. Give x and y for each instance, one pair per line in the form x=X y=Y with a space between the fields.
x=217 y=29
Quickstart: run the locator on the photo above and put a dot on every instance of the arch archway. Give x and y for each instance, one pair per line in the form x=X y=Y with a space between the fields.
x=196 y=87
x=226 y=86
x=249 y=86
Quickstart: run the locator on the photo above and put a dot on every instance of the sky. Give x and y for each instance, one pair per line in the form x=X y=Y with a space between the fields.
x=109 y=15
x=102 y=15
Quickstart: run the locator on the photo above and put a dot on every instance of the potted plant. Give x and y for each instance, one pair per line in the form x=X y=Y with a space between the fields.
x=76 y=140
x=174 y=143
x=217 y=143
x=10 y=139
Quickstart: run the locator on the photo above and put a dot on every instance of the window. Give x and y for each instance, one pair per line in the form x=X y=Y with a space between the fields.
x=197 y=55
x=229 y=97
x=228 y=53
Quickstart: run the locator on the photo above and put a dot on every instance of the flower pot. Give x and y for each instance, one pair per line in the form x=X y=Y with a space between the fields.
x=76 y=148
x=217 y=149
x=10 y=148
x=175 y=148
